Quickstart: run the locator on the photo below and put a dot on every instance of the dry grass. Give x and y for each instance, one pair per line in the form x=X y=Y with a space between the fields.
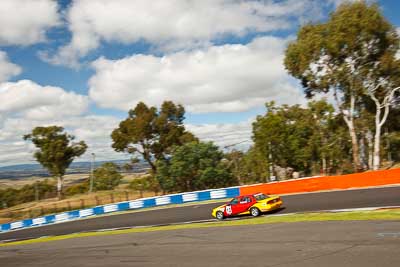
x=53 y=205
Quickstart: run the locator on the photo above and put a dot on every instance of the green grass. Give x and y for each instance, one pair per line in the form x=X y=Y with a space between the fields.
x=392 y=214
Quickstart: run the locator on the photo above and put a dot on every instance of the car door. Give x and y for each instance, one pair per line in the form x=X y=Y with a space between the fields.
x=232 y=207
x=244 y=204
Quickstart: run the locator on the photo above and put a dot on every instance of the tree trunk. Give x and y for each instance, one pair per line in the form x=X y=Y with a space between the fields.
x=60 y=181
x=377 y=139
x=151 y=163
x=377 y=144
x=370 y=149
x=355 y=150
x=349 y=119
x=363 y=153
x=379 y=122
x=323 y=165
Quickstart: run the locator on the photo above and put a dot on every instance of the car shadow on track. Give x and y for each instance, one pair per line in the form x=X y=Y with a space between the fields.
x=248 y=216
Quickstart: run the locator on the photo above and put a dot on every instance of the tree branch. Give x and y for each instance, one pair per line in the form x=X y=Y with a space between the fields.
x=387 y=105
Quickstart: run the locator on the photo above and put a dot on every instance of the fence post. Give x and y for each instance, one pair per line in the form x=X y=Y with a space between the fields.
x=41 y=210
x=55 y=207
x=97 y=201
x=126 y=195
x=69 y=205
x=82 y=203
x=112 y=197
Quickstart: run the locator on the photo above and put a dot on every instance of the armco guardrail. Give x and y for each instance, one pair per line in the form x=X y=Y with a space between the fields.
x=356 y=180
x=122 y=206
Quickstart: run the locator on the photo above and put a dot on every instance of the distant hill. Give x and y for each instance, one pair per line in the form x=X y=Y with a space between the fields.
x=28 y=170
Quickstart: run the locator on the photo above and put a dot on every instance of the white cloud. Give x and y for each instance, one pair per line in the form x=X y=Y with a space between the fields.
x=7 y=68
x=26 y=105
x=169 y=24
x=38 y=102
x=219 y=79
x=23 y=98
x=25 y=22
x=93 y=129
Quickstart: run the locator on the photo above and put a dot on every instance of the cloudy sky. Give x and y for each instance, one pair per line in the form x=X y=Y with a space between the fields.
x=83 y=64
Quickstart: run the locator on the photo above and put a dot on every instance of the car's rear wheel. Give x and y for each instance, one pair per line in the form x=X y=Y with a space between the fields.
x=219 y=215
x=254 y=212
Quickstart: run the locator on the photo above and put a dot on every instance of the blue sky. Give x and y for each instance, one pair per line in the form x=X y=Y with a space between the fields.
x=83 y=64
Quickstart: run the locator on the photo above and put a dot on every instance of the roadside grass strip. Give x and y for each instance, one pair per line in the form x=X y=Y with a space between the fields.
x=385 y=214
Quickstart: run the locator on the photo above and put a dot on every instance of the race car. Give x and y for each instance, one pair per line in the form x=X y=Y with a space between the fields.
x=247 y=204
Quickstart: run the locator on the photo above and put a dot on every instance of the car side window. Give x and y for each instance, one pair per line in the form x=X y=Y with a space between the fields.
x=234 y=201
x=245 y=200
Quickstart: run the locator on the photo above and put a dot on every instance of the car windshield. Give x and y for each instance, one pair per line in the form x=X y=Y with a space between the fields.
x=260 y=196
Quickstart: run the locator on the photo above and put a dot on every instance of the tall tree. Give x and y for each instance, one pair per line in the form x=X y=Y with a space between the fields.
x=194 y=166
x=305 y=139
x=152 y=133
x=348 y=55
x=56 y=151
x=382 y=85
x=283 y=133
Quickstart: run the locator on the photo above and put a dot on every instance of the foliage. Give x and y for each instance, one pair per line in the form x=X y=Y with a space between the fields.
x=337 y=53
x=354 y=56
x=76 y=189
x=106 y=177
x=301 y=138
x=41 y=189
x=141 y=184
x=8 y=197
x=152 y=133
x=254 y=166
x=392 y=136
x=56 y=150
x=250 y=167
x=194 y=166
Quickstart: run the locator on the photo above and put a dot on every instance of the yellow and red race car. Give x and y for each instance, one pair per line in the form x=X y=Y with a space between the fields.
x=247 y=204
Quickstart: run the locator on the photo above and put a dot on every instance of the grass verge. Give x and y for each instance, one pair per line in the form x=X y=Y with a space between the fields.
x=390 y=214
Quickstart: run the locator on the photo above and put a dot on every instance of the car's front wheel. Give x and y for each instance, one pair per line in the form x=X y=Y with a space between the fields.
x=219 y=215
x=254 y=212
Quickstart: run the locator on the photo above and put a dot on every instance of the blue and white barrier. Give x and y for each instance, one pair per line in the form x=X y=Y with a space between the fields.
x=122 y=206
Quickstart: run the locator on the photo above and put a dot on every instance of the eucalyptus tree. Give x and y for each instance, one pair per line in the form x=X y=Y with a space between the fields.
x=195 y=166
x=151 y=133
x=352 y=55
x=307 y=139
x=56 y=151
x=284 y=133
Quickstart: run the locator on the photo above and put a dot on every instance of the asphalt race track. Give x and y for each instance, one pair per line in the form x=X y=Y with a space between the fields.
x=376 y=197
x=306 y=244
